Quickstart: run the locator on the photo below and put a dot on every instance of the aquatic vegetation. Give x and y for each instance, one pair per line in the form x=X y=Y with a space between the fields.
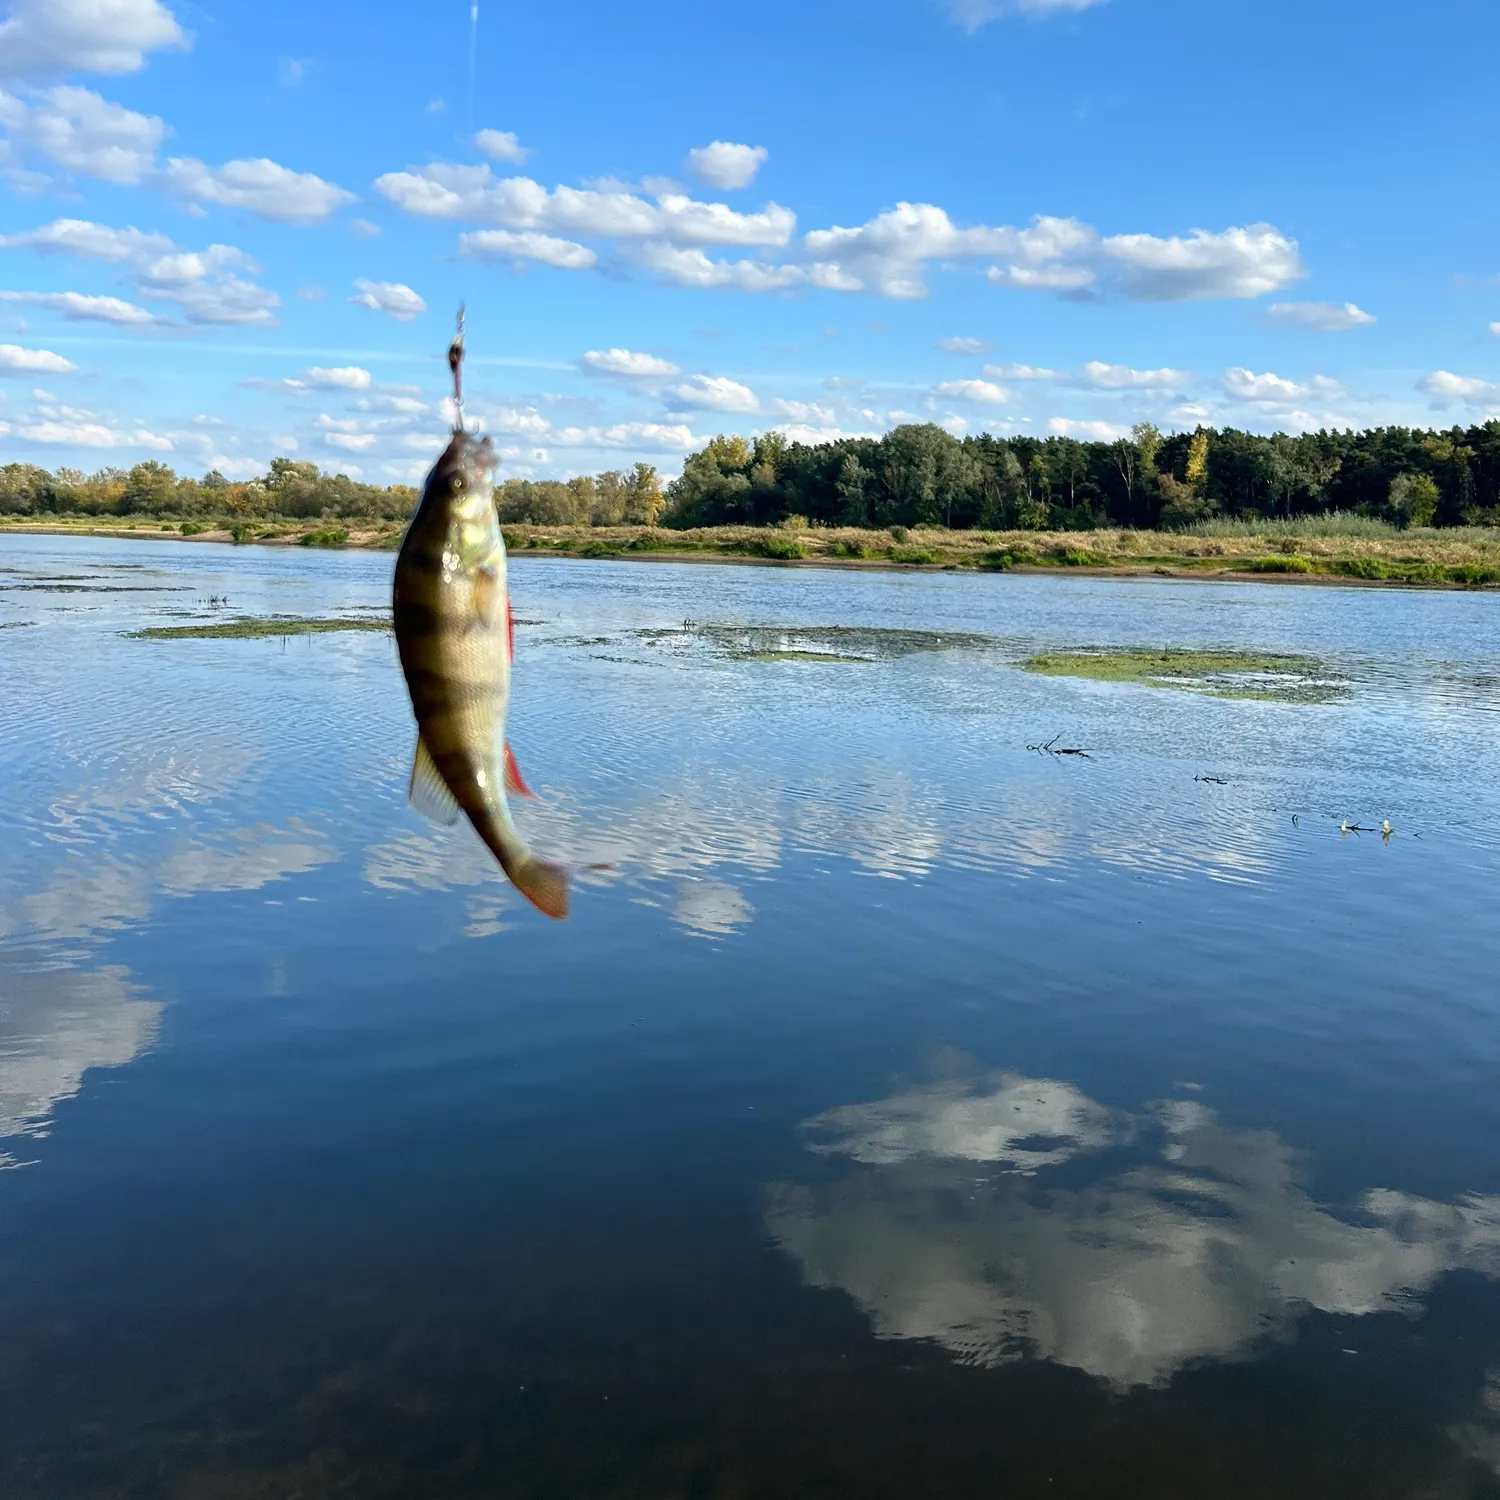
x=847 y=643
x=804 y=656
x=1221 y=674
x=192 y=528
x=254 y=628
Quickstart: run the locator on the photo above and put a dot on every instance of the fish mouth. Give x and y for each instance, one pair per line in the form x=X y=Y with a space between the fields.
x=473 y=457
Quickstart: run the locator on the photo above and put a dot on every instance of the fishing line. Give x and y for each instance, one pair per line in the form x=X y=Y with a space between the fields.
x=473 y=56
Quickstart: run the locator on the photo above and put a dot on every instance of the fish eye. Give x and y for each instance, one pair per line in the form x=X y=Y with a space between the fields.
x=457 y=482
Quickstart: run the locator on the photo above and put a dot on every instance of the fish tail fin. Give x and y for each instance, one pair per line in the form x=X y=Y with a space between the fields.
x=543 y=884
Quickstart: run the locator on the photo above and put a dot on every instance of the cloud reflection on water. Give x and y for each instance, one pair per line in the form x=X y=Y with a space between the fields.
x=1015 y=1217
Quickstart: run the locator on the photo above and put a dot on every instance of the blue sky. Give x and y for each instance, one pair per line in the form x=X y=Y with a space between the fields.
x=233 y=231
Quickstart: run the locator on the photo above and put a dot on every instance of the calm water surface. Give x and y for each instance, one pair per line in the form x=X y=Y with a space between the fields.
x=905 y=1113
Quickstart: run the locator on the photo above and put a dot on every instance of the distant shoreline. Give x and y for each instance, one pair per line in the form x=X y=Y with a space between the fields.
x=1404 y=563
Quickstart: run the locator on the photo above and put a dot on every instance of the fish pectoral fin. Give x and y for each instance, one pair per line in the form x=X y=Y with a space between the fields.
x=514 y=782
x=428 y=792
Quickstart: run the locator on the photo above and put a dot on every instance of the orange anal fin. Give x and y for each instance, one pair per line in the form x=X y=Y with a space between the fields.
x=513 y=780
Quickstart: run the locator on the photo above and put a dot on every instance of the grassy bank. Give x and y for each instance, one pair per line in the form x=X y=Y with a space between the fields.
x=1322 y=549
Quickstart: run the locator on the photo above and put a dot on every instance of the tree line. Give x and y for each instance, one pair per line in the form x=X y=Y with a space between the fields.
x=296 y=490
x=921 y=475
x=916 y=475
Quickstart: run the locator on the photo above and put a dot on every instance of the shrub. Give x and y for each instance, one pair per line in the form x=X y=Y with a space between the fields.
x=1007 y=557
x=913 y=555
x=784 y=548
x=898 y=533
x=1279 y=565
x=191 y=528
x=329 y=536
x=850 y=549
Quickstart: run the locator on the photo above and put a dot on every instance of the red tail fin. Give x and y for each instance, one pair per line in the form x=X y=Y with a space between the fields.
x=544 y=885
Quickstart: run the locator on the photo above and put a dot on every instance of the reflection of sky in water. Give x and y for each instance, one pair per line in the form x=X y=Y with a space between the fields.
x=1201 y=1245
x=335 y=1030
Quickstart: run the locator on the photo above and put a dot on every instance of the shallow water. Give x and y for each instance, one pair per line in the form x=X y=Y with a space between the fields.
x=906 y=1112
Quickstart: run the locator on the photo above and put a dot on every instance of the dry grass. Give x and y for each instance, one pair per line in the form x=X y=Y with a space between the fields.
x=1463 y=556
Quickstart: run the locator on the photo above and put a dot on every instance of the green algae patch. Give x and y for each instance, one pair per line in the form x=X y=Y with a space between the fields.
x=1219 y=674
x=805 y=656
x=250 y=628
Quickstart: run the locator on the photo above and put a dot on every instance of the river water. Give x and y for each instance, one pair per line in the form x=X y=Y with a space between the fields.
x=904 y=1112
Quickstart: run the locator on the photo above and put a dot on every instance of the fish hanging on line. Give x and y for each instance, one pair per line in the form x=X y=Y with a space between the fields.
x=456 y=637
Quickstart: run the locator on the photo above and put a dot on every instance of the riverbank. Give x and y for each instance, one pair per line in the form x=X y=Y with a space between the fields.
x=1460 y=557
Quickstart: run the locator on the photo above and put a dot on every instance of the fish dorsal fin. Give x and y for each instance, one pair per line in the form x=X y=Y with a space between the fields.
x=514 y=782
x=428 y=792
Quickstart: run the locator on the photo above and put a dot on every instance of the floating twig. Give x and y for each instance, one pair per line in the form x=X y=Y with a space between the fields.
x=1053 y=748
x=1212 y=780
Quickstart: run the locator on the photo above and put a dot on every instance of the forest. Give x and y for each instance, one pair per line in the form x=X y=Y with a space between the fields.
x=916 y=475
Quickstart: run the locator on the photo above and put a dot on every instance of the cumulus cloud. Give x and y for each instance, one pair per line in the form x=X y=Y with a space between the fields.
x=81 y=132
x=447 y=191
x=889 y=255
x=1021 y=372
x=68 y=427
x=1495 y=328
x=512 y=244
x=956 y=345
x=84 y=36
x=722 y=164
x=626 y=364
x=1123 y=378
x=1444 y=387
x=1274 y=390
x=1319 y=317
x=77 y=307
x=392 y=298
x=316 y=378
x=350 y=442
x=501 y=145
x=984 y=392
x=201 y=282
x=972 y=14
x=1093 y=432
x=692 y=268
x=260 y=186
x=713 y=393
x=92 y=241
x=14 y=360
x=645 y=437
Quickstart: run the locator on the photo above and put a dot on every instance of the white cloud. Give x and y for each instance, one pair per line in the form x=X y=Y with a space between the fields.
x=889 y=255
x=198 y=281
x=1495 y=328
x=290 y=71
x=340 y=378
x=1094 y=432
x=501 y=145
x=1244 y=262
x=84 y=36
x=1021 y=372
x=392 y=298
x=972 y=14
x=1444 y=386
x=1274 y=390
x=722 y=164
x=957 y=345
x=511 y=244
x=77 y=307
x=82 y=132
x=366 y=229
x=714 y=393
x=93 y=435
x=806 y=412
x=984 y=392
x=447 y=191
x=646 y=437
x=695 y=269
x=260 y=186
x=14 y=360
x=93 y=241
x=1123 y=378
x=626 y=363
x=1319 y=317
x=350 y=442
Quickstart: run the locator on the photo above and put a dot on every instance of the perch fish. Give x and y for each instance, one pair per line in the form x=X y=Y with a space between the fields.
x=456 y=638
